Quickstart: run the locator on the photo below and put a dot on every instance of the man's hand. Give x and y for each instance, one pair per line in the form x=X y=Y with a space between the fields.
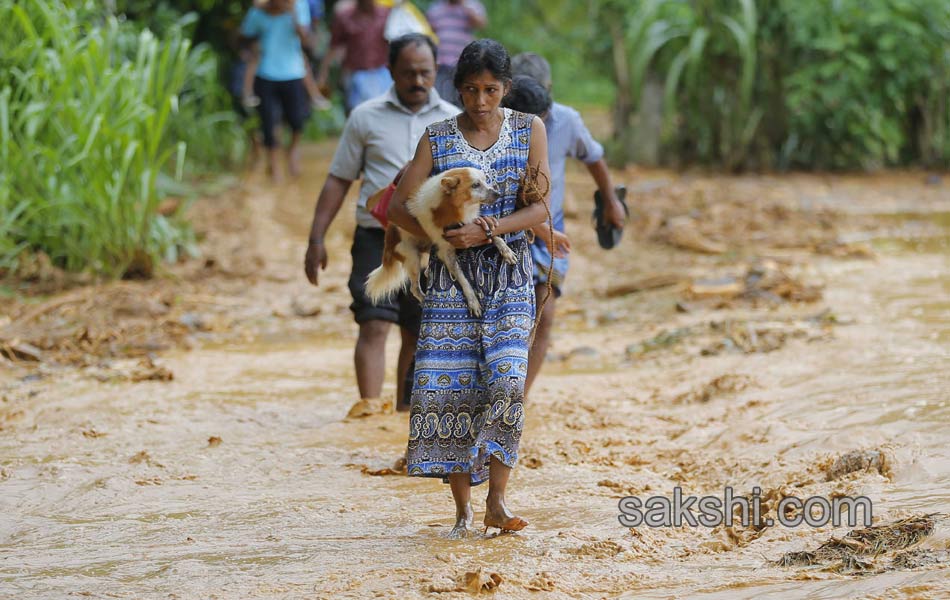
x=316 y=255
x=614 y=212
x=466 y=236
x=562 y=244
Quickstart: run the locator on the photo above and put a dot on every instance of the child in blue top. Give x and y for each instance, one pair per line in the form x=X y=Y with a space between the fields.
x=282 y=30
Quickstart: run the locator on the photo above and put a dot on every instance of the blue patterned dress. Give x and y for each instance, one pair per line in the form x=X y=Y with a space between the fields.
x=468 y=388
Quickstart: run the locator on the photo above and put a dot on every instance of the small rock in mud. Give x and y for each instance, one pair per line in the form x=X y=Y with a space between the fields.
x=214 y=441
x=307 y=306
x=858 y=460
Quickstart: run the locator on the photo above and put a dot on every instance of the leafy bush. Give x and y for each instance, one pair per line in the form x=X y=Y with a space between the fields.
x=94 y=114
x=843 y=84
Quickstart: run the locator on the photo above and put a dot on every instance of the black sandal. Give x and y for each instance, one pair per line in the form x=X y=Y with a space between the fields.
x=608 y=235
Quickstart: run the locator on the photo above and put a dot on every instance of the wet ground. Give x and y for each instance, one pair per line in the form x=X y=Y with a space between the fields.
x=240 y=478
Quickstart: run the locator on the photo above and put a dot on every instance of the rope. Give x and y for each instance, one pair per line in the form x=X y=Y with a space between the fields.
x=532 y=192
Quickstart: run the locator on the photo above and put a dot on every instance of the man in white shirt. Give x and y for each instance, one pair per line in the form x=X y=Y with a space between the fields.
x=379 y=138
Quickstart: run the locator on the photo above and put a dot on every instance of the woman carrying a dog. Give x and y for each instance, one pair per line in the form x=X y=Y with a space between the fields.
x=467 y=409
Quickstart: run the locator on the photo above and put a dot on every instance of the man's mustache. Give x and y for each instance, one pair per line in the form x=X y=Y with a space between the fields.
x=417 y=88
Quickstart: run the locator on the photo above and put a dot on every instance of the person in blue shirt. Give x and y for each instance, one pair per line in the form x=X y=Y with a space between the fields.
x=568 y=137
x=282 y=30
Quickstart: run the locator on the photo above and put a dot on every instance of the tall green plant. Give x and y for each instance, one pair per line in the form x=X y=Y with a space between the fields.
x=91 y=117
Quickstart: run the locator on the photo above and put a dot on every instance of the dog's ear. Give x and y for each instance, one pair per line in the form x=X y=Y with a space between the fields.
x=449 y=183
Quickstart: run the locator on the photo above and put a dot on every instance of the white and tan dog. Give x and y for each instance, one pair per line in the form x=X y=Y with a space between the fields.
x=449 y=198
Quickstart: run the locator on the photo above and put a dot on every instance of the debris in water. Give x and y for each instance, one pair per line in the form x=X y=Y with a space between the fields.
x=92 y=434
x=214 y=441
x=856 y=552
x=541 y=582
x=652 y=282
x=858 y=460
x=683 y=232
x=664 y=339
x=724 y=384
x=398 y=468
x=17 y=350
x=531 y=462
x=144 y=369
x=599 y=549
x=476 y=582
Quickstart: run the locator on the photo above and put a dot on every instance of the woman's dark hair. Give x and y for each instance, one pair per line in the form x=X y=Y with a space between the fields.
x=527 y=95
x=410 y=39
x=483 y=55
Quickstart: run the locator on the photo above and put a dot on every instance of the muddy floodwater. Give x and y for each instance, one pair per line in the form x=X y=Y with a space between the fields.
x=240 y=477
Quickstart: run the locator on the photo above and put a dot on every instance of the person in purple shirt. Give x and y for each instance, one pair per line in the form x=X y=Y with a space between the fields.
x=454 y=22
x=568 y=137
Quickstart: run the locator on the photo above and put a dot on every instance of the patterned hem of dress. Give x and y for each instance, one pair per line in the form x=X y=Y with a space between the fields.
x=442 y=470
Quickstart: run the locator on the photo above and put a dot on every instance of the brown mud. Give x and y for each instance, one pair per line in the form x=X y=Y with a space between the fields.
x=186 y=437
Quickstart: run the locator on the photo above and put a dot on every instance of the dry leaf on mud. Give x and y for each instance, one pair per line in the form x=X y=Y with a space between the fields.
x=398 y=468
x=476 y=582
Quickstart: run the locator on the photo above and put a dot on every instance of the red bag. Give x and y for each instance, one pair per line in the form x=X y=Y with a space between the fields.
x=378 y=202
x=382 y=198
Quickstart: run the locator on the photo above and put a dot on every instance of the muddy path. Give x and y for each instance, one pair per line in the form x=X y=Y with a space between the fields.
x=748 y=332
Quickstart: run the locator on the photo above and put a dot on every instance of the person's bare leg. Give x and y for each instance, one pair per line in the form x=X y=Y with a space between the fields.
x=272 y=157
x=370 y=358
x=407 y=352
x=293 y=155
x=496 y=513
x=542 y=338
x=461 y=484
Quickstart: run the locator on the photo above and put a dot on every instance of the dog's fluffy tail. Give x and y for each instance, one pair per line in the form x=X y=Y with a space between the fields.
x=391 y=276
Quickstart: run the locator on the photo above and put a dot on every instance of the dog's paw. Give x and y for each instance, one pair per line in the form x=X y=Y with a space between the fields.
x=507 y=254
x=476 y=309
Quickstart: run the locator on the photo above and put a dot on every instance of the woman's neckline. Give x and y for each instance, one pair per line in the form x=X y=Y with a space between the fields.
x=501 y=130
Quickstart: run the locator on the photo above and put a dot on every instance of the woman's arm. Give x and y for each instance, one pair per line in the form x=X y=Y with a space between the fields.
x=416 y=174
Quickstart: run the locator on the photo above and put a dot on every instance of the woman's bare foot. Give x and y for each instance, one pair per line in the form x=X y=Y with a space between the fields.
x=497 y=515
x=464 y=524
